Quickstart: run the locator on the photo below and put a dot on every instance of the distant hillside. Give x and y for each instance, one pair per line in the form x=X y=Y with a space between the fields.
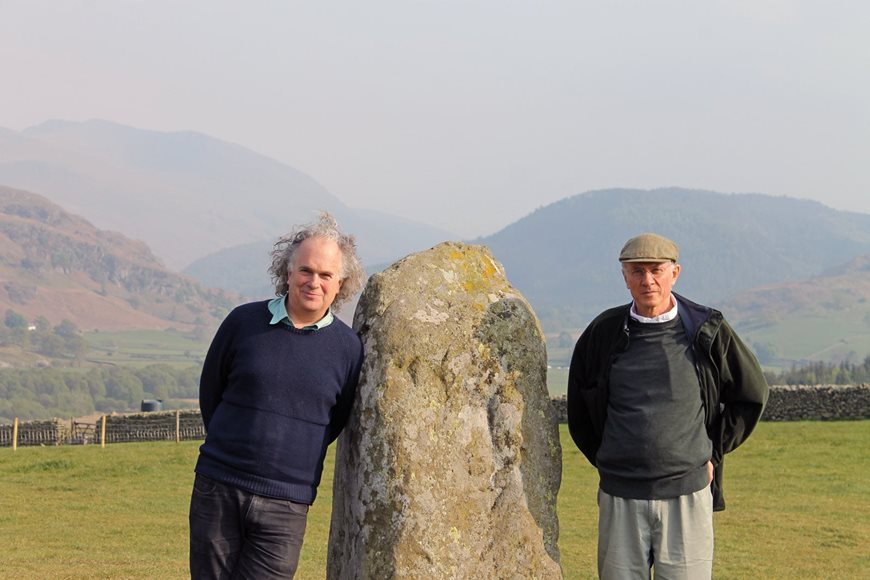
x=381 y=238
x=825 y=317
x=57 y=265
x=187 y=195
x=563 y=257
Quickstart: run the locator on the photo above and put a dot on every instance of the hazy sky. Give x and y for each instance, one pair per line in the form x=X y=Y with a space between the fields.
x=470 y=114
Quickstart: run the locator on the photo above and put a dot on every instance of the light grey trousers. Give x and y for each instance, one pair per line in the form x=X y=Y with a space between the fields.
x=674 y=537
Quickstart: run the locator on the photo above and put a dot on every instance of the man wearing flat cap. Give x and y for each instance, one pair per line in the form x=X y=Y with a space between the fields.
x=658 y=392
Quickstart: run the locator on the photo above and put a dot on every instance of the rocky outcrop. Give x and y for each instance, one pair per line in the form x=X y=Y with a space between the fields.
x=451 y=463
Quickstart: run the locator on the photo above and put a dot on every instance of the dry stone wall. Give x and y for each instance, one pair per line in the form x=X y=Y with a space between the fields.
x=786 y=403
x=159 y=426
x=818 y=403
x=52 y=432
x=797 y=403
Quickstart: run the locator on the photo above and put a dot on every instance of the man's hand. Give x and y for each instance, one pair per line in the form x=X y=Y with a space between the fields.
x=709 y=472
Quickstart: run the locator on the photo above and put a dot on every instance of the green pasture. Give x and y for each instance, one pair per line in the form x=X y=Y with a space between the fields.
x=557 y=381
x=837 y=335
x=798 y=507
x=143 y=347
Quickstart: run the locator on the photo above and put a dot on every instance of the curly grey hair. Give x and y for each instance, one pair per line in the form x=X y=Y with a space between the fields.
x=352 y=274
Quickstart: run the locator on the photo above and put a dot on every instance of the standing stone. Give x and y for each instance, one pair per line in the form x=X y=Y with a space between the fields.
x=451 y=462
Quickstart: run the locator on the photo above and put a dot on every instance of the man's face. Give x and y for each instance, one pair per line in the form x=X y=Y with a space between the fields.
x=314 y=279
x=650 y=285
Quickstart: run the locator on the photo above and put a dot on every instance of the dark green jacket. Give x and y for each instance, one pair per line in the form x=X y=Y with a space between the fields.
x=733 y=388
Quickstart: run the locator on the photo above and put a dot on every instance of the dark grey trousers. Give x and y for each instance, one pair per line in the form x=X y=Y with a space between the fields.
x=235 y=534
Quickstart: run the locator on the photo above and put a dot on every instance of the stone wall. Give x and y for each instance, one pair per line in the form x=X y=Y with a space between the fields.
x=818 y=403
x=159 y=426
x=798 y=403
x=52 y=432
x=786 y=403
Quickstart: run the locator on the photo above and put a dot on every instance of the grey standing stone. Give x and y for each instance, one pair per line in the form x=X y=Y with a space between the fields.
x=451 y=462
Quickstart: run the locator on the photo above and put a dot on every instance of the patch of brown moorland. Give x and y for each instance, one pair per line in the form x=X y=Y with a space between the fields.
x=57 y=265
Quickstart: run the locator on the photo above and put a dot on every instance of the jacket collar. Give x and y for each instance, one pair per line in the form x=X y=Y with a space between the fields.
x=694 y=316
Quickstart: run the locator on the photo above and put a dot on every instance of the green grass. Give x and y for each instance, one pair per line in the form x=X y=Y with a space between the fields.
x=798 y=507
x=143 y=347
x=557 y=381
x=833 y=336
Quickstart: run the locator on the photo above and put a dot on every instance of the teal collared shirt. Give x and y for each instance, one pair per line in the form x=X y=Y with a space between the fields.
x=278 y=308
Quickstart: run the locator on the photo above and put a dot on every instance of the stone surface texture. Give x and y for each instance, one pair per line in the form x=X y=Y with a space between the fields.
x=451 y=463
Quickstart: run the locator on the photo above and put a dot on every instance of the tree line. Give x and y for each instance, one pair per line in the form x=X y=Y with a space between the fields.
x=63 y=340
x=823 y=373
x=74 y=391
x=43 y=393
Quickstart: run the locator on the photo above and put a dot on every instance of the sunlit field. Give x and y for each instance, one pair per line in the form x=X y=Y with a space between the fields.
x=798 y=507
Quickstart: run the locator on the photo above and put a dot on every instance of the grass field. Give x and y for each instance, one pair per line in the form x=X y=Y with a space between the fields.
x=557 y=381
x=143 y=347
x=838 y=336
x=798 y=507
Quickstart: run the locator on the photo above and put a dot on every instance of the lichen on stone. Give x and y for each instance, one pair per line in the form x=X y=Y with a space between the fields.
x=450 y=464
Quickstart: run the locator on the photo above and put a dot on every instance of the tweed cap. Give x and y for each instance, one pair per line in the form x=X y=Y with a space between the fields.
x=649 y=248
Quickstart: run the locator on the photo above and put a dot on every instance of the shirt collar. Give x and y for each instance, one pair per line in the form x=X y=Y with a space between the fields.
x=664 y=317
x=278 y=308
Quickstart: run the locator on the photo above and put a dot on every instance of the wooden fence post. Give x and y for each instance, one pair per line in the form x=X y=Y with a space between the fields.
x=178 y=425
x=15 y=434
x=103 y=433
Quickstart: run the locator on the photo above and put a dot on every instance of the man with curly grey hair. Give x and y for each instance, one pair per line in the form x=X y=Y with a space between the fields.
x=276 y=389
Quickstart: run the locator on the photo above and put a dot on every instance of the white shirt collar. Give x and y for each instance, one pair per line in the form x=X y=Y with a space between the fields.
x=665 y=317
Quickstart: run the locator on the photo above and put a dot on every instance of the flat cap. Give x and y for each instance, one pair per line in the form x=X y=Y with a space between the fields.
x=649 y=248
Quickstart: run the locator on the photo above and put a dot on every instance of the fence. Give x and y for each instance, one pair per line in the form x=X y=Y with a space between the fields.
x=157 y=426
x=803 y=403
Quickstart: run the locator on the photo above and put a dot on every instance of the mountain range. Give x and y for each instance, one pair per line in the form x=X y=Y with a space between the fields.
x=781 y=269
x=563 y=257
x=187 y=195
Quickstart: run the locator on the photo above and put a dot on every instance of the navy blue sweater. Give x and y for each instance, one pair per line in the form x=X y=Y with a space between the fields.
x=273 y=398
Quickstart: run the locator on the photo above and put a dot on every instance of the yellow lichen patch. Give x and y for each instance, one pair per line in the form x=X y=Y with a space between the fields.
x=458 y=457
x=455 y=534
x=456 y=255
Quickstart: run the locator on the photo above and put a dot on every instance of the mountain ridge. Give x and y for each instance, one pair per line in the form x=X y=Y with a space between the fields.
x=826 y=316
x=58 y=265
x=187 y=194
x=563 y=256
